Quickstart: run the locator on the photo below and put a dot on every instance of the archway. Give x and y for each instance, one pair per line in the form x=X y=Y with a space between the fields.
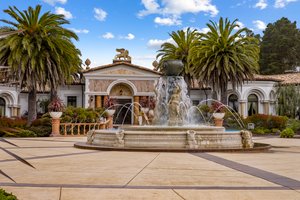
x=233 y=102
x=122 y=94
x=252 y=104
x=2 y=107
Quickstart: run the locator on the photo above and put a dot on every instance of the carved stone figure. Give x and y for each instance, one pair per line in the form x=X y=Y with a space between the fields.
x=90 y=137
x=123 y=55
x=174 y=109
x=247 y=139
x=191 y=139
x=120 y=138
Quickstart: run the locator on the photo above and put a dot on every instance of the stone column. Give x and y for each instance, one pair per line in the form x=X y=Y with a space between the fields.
x=242 y=108
x=55 y=127
x=266 y=106
x=98 y=101
x=136 y=110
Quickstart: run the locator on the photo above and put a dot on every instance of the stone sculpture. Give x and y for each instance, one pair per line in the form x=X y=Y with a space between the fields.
x=90 y=137
x=120 y=138
x=123 y=55
x=191 y=139
x=174 y=109
x=247 y=139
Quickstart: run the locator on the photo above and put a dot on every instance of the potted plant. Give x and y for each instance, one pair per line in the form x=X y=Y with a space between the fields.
x=218 y=113
x=56 y=107
x=109 y=105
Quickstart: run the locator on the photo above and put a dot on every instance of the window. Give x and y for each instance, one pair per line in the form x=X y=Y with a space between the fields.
x=233 y=102
x=195 y=102
x=2 y=107
x=252 y=104
x=72 y=101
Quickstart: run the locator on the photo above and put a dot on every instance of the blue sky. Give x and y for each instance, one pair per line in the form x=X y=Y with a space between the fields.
x=141 y=26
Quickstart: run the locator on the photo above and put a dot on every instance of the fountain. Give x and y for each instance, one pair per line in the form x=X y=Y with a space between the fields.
x=172 y=130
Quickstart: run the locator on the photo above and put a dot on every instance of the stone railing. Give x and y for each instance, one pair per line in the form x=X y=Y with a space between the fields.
x=73 y=129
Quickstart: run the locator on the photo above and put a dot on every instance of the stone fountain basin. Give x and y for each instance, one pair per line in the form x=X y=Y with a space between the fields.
x=165 y=138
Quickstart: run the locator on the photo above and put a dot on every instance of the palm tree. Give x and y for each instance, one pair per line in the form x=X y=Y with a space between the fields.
x=41 y=54
x=225 y=55
x=184 y=41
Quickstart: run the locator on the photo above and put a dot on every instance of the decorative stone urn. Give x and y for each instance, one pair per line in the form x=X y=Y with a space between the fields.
x=55 y=123
x=110 y=113
x=55 y=115
x=172 y=67
x=218 y=119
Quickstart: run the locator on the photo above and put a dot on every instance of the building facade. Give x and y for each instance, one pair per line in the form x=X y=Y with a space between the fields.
x=130 y=85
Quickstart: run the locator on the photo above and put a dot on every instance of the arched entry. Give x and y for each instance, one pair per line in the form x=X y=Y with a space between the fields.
x=252 y=104
x=2 y=107
x=123 y=98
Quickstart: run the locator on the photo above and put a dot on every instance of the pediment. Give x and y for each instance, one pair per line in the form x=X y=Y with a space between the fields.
x=121 y=70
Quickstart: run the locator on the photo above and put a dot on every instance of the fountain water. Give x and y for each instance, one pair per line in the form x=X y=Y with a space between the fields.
x=172 y=130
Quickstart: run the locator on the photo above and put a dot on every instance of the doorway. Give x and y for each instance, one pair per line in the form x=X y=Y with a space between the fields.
x=123 y=111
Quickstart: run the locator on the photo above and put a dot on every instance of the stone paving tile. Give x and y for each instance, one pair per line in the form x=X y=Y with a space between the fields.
x=186 y=169
x=239 y=194
x=117 y=194
x=34 y=193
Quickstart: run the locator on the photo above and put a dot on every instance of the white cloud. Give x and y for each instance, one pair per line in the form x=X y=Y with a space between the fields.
x=151 y=7
x=261 y=4
x=79 y=30
x=62 y=11
x=156 y=43
x=53 y=2
x=260 y=25
x=204 y=30
x=167 y=21
x=282 y=3
x=241 y=25
x=100 y=14
x=129 y=36
x=171 y=10
x=108 y=35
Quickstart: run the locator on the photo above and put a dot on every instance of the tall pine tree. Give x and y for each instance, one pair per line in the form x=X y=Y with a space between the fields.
x=280 y=47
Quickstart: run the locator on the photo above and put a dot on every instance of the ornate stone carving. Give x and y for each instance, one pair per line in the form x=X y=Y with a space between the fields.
x=99 y=85
x=144 y=85
x=191 y=139
x=120 y=90
x=175 y=117
x=122 y=72
x=247 y=139
x=90 y=137
x=120 y=138
x=123 y=55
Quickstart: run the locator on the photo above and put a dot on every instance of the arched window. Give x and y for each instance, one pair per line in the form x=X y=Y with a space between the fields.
x=252 y=104
x=2 y=107
x=233 y=102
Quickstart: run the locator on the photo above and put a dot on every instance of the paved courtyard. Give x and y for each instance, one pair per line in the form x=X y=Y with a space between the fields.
x=61 y=172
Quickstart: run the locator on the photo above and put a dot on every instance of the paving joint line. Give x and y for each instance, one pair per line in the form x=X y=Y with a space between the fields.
x=283 y=181
x=141 y=170
x=51 y=156
x=178 y=194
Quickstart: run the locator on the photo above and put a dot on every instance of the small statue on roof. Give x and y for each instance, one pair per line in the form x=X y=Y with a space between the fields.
x=123 y=55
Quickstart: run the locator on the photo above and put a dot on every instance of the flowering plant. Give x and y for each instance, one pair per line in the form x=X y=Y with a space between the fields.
x=217 y=107
x=56 y=105
x=109 y=102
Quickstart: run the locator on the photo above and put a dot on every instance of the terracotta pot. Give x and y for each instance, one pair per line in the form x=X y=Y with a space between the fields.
x=218 y=122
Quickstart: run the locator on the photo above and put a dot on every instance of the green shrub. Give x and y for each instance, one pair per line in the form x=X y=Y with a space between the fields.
x=259 y=131
x=275 y=130
x=26 y=133
x=7 y=196
x=41 y=131
x=294 y=124
x=9 y=122
x=267 y=121
x=287 y=133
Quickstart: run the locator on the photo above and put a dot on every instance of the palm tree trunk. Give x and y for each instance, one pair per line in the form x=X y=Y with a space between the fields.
x=224 y=97
x=53 y=93
x=31 y=106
